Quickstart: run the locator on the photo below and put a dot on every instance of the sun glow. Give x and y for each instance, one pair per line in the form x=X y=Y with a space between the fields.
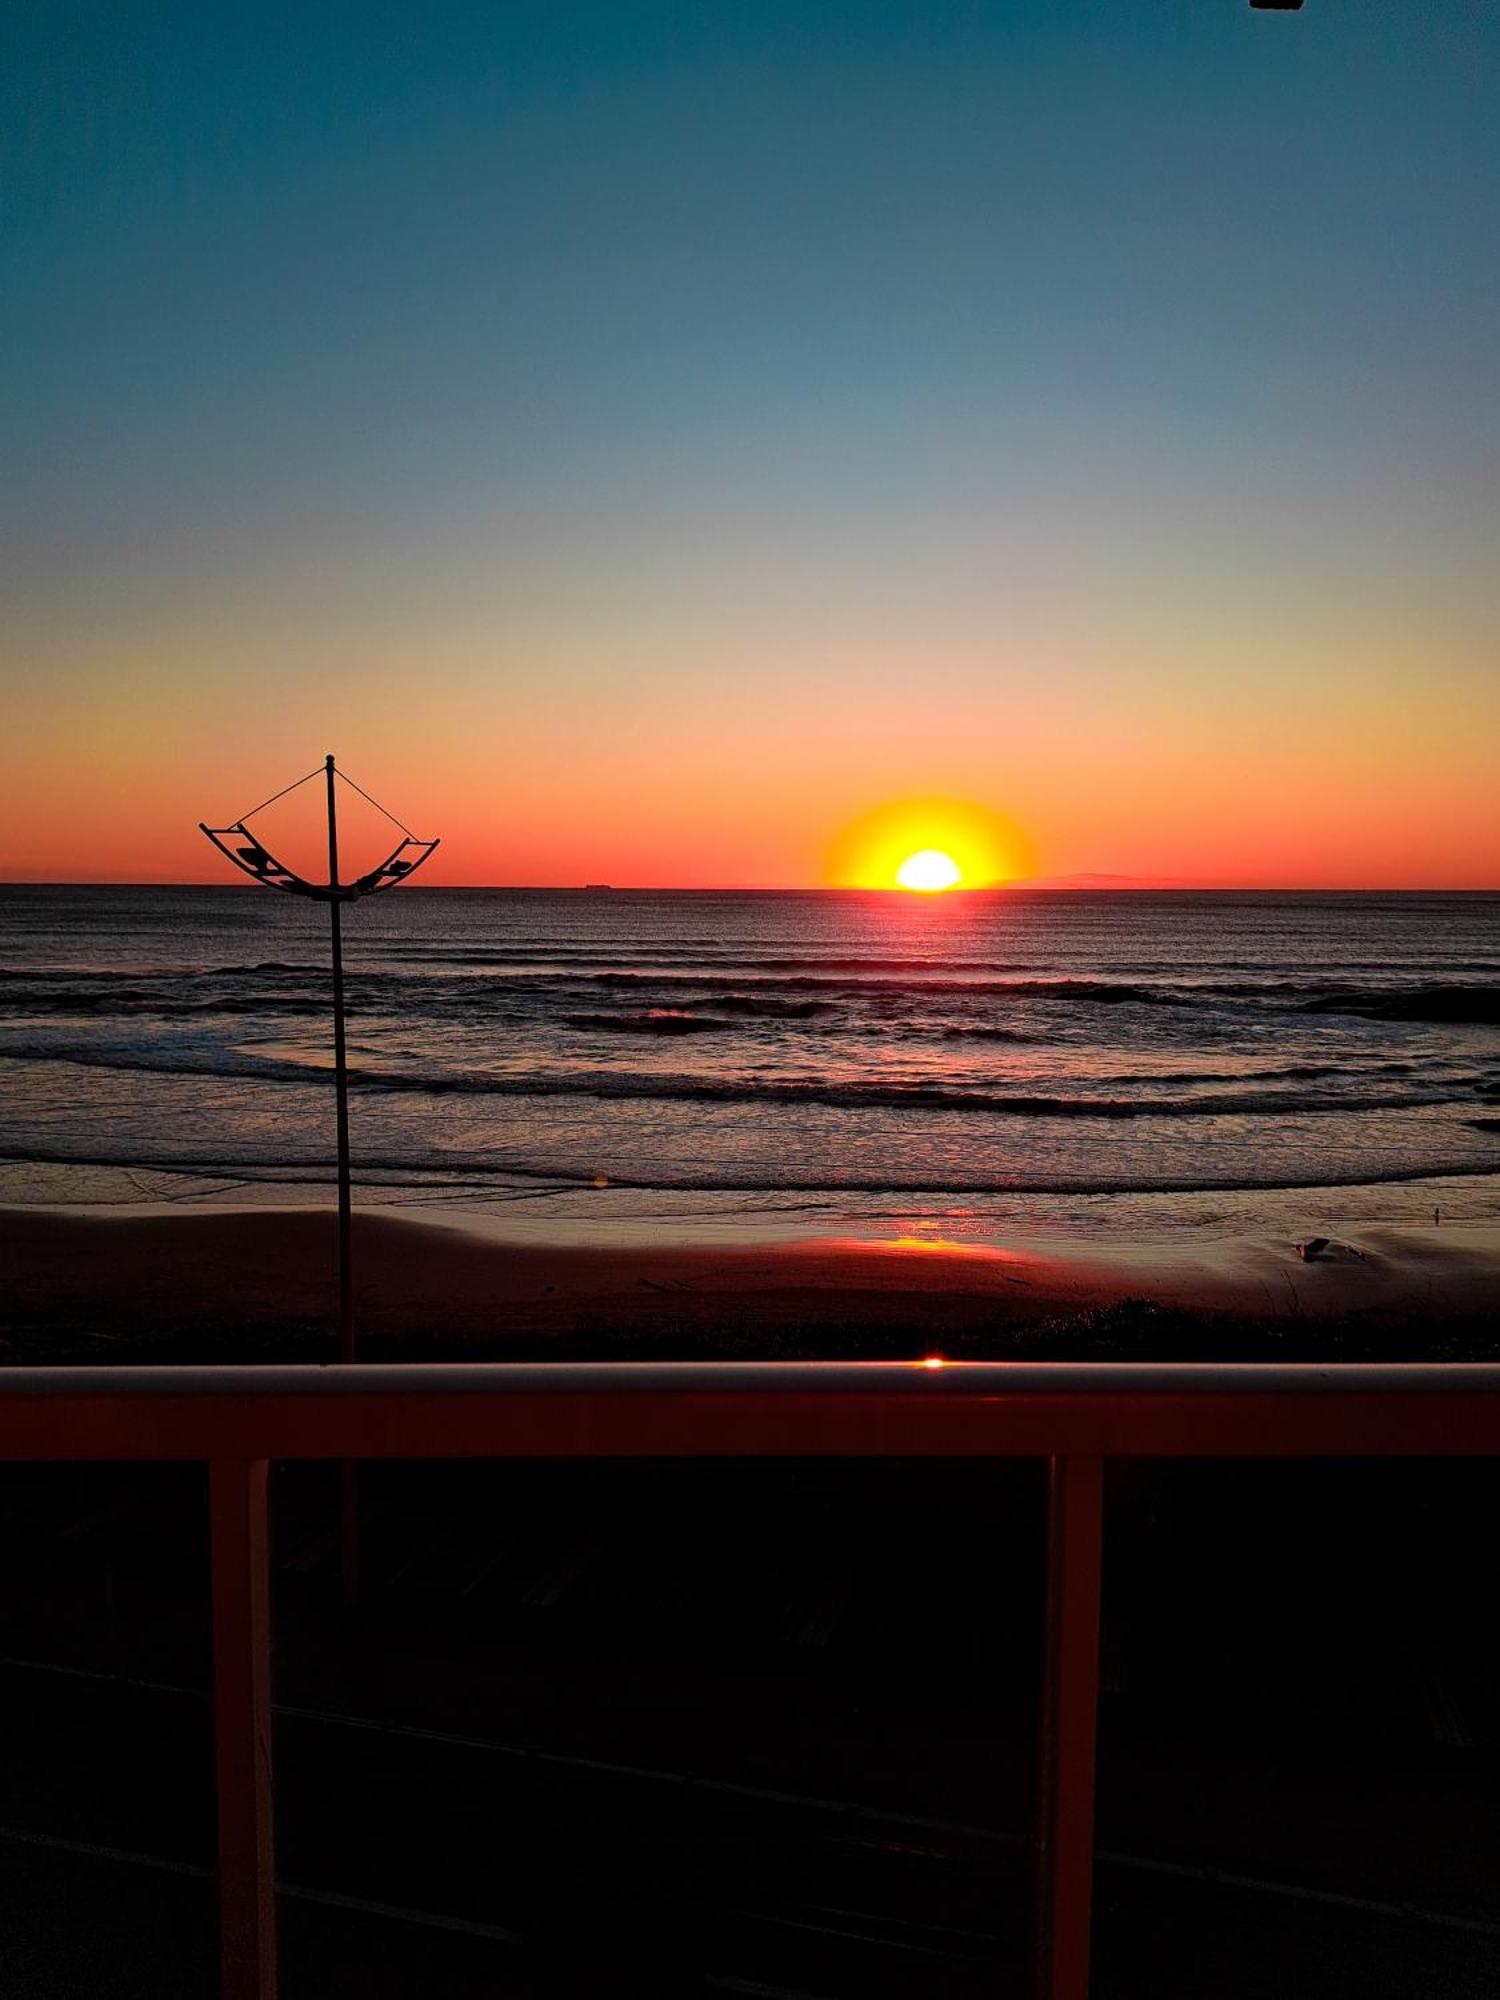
x=928 y=844
x=929 y=870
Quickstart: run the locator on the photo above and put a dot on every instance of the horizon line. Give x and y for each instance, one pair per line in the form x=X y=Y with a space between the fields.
x=1081 y=884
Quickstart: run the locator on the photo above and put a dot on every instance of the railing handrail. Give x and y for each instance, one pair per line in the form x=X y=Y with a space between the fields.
x=752 y=1409
x=929 y=1375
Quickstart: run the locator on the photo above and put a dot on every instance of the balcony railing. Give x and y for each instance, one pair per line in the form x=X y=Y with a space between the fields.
x=1075 y=1416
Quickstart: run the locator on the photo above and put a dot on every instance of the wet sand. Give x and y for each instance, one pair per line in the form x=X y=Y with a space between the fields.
x=81 y=1285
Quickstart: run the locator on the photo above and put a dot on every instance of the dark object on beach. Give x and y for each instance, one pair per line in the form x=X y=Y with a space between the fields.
x=1317 y=1248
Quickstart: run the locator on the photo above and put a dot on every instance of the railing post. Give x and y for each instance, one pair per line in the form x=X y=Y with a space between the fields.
x=242 y=1728
x=1070 y=1713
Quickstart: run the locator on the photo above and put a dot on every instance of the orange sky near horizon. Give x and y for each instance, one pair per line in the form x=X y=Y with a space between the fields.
x=752 y=793
x=561 y=747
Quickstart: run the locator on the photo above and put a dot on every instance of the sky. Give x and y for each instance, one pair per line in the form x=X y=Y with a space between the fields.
x=645 y=441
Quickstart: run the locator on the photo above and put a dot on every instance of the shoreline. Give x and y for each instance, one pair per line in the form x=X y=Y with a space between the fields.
x=158 y=1281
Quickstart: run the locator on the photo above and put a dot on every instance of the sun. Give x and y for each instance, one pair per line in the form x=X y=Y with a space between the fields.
x=929 y=869
x=928 y=844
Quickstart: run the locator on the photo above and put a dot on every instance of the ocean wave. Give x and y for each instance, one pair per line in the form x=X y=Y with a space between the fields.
x=929 y=1097
x=965 y=1033
x=1272 y=1073
x=228 y=1064
x=277 y=986
x=858 y=1094
x=610 y=953
x=455 y=1171
x=1454 y=1004
x=1104 y=992
x=171 y=975
x=880 y=1095
x=304 y=990
x=767 y=1007
x=747 y=1006
x=394 y=960
x=126 y=1003
x=653 y=1021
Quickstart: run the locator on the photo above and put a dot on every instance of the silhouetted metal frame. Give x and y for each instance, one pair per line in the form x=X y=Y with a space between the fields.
x=1074 y=1416
x=274 y=874
x=248 y=852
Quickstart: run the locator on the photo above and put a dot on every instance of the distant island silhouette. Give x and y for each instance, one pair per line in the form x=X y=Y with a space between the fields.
x=1092 y=881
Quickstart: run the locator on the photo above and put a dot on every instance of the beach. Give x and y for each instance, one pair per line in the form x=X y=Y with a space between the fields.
x=246 y=1283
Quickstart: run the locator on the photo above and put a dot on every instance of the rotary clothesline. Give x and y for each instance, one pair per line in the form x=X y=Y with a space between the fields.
x=244 y=850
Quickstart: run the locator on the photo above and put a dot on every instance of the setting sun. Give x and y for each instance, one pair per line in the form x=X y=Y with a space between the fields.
x=928 y=844
x=928 y=870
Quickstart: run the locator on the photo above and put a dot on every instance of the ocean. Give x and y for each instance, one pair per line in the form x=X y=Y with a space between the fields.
x=639 y=1061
